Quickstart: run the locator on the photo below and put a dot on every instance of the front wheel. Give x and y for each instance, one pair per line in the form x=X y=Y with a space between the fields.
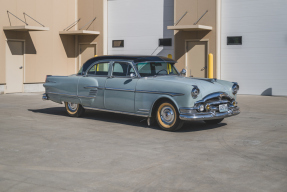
x=213 y=121
x=74 y=110
x=167 y=117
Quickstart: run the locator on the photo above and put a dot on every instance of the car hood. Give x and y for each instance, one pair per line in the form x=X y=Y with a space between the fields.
x=206 y=86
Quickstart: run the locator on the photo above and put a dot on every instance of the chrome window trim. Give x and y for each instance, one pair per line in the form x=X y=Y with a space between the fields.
x=95 y=63
x=123 y=61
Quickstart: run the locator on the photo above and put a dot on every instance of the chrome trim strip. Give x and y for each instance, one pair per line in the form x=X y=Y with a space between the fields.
x=218 y=102
x=87 y=97
x=127 y=90
x=93 y=87
x=70 y=95
x=62 y=94
x=113 y=111
x=116 y=89
x=143 y=110
x=159 y=92
x=209 y=115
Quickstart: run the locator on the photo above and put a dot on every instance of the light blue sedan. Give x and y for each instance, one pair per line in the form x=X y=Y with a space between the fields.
x=147 y=86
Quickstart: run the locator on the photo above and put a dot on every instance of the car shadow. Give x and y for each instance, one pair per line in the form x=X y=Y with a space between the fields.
x=192 y=126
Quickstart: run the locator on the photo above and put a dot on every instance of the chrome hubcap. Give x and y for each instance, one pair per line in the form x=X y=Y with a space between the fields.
x=72 y=106
x=167 y=115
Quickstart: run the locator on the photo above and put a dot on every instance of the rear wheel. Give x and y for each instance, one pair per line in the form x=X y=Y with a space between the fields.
x=74 y=110
x=213 y=121
x=167 y=117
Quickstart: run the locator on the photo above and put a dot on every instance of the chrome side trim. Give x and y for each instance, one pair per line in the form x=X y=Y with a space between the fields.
x=86 y=97
x=113 y=111
x=66 y=94
x=159 y=92
x=116 y=89
x=127 y=90
x=143 y=109
x=93 y=87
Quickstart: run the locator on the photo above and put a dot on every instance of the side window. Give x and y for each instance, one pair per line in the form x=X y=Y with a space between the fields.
x=99 y=69
x=122 y=69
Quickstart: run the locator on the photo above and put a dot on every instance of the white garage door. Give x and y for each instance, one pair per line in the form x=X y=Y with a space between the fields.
x=140 y=24
x=259 y=65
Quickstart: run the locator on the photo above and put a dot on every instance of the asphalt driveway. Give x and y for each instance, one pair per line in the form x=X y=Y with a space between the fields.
x=42 y=149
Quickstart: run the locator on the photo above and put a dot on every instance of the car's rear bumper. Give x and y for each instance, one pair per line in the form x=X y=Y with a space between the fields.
x=193 y=115
x=45 y=97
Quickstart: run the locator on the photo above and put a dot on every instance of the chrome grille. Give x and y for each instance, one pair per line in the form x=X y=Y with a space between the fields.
x=214 y=100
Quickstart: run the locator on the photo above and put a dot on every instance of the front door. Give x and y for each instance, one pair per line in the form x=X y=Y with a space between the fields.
x=120 y=88
x=14 y=66
x=196 y=59
x=87 y=51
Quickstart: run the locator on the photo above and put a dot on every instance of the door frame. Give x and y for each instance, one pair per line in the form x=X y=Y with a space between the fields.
x=79 y=51
x=24 y=61
x=196 y=40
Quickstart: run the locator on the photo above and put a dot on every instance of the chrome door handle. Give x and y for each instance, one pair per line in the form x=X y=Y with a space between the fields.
x=203 y=68
x=21 y=67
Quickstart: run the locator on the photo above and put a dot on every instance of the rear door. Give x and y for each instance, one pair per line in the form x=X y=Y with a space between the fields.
x=91 y=86
x=120 y=88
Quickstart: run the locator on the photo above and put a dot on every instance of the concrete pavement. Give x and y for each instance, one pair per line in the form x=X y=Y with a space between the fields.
x=42 y=149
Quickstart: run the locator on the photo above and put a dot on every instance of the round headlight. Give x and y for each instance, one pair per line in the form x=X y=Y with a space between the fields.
x=201 y=108
x=195 y=92
x=235 y=88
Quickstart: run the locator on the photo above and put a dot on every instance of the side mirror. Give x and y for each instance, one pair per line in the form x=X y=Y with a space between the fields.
x=132 y=75
x=183 y=72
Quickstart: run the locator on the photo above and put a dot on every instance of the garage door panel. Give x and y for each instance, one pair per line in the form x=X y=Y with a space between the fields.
x=234 y=8
x=260 y=62
x=258 y=23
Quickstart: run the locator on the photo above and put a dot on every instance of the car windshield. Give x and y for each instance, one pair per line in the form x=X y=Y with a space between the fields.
x=156 y=68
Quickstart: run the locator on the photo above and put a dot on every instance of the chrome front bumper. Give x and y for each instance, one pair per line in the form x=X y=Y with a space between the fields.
x=192 y=115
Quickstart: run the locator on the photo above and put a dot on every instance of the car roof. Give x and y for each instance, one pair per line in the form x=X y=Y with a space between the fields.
x=134 y=58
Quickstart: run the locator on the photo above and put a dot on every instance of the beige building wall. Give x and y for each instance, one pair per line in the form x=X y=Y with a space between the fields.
x=47 y=52
x=196 y=9
x=87 y=10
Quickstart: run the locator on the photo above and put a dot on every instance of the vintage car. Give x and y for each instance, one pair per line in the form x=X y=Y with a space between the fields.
x=147 y=86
